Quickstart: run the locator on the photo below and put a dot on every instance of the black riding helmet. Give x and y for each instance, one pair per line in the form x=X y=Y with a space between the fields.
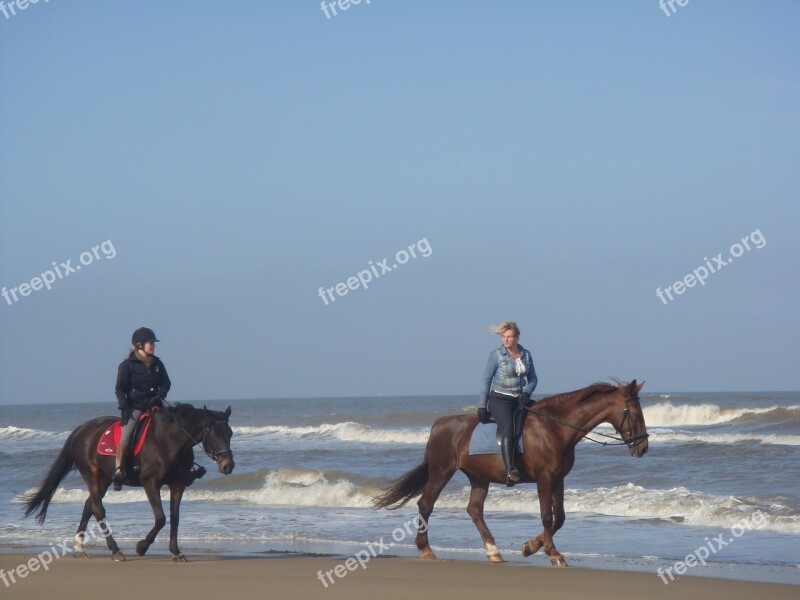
x=143 y=334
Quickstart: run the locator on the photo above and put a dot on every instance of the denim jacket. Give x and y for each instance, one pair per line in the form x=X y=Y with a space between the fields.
x=501 y=375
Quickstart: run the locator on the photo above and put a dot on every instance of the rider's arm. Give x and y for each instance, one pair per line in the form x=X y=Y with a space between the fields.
x=123 y=384
x=530 y=375
x=166 y=384
x=488 y=375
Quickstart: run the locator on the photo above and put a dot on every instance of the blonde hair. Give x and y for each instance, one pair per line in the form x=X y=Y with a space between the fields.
x=501 y=328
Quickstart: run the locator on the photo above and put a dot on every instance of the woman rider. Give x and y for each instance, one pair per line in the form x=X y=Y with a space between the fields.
x=142 y=382
x=509 y=380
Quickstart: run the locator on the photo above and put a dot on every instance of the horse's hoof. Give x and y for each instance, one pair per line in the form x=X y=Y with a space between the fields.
x=529 y=549
x=495 y=558
x=558 y=561
x=118 y=556
x=141 y=548
x=179 y=558
x=427 y=555
x=79 y=554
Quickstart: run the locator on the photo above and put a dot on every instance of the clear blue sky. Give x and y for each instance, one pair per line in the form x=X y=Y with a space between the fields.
x=562 y=160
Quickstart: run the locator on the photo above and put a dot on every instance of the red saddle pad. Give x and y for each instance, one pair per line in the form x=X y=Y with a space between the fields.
x=107 y=446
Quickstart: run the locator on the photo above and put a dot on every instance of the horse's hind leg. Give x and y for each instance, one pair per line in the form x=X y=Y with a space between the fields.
x=80 y=535
x=96 y=496
x=437 y=479
x=154 y=497
x=477 y=497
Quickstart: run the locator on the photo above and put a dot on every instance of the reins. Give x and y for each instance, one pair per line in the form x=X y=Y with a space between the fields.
x=213 y=455
x=630 y=441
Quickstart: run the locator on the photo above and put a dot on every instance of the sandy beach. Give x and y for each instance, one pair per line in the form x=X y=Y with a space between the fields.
x=281 y=576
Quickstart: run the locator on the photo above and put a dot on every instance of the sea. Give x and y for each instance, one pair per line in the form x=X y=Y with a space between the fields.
x=721 y=480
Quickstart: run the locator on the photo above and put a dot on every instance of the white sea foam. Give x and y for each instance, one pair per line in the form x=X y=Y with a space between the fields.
x=668 y=436
x=346 y=432
x=302 y=488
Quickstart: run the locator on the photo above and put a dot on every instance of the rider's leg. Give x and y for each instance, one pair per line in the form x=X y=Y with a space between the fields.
x=502 y=409
x=507 y=448
x=122 y=448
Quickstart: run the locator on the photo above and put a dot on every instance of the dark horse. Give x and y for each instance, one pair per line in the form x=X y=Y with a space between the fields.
x=553 y=428
x=166 y=458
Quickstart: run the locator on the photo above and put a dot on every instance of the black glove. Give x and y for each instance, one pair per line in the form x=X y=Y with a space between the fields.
x=157 y=401
x=125 y=415
x=483 y=415
x=526 y=399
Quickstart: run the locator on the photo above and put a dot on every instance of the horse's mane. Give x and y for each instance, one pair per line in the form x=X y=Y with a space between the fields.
x=577 y=396
x=180 y=412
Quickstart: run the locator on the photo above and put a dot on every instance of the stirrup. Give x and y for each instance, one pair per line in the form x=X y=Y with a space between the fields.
x=512 y=478
x=119 y=477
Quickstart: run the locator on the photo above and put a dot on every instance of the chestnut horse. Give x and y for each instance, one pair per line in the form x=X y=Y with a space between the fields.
x=551 y=431
x=166 y=458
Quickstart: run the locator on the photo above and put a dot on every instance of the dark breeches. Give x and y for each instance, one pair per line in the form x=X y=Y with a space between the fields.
x=502 y=409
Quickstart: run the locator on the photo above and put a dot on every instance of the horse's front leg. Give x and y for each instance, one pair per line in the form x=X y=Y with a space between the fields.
x=557 y=499
x=175 y=494
x=559 y=516
x=153 y=491
x=546 y=487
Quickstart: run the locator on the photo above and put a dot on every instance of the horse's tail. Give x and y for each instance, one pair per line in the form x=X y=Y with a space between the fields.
x=405 y=488
x=37 y=503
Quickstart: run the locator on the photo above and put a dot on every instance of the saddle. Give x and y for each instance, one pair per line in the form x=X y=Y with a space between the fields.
x=484 y=438
x=107 y=445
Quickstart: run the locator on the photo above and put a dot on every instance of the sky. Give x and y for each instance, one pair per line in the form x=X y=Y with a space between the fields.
x=217 y=169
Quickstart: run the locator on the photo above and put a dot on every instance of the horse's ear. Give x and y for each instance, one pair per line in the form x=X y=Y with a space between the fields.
x=639 y=387
x=632 y=388
x=227 y=412
x=205 y=411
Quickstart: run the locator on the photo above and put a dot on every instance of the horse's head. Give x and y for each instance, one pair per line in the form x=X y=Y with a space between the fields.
x=629 y=422
x=217 y=439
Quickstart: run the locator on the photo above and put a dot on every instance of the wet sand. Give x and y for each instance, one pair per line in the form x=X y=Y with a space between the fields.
x=304 y=576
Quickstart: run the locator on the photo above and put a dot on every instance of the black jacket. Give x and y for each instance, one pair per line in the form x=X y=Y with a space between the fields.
x=137 y=385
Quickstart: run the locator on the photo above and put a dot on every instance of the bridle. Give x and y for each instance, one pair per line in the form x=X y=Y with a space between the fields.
x=213 y=455
x=631 y=441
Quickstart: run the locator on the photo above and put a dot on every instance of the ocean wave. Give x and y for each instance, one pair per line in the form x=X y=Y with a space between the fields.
x=22 y=434
x=683 y=437
x=346 y=432
x=22 y=440
x=667 y=435
x=666 y=414
x=677 y=506
x=681 y=506
x=284 y=487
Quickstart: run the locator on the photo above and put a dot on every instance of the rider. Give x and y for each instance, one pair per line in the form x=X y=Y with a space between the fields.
x=142 y=382
x=509 y=380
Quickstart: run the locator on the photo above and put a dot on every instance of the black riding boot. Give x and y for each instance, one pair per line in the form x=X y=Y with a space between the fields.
x=119 y=472
x=507 y=449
